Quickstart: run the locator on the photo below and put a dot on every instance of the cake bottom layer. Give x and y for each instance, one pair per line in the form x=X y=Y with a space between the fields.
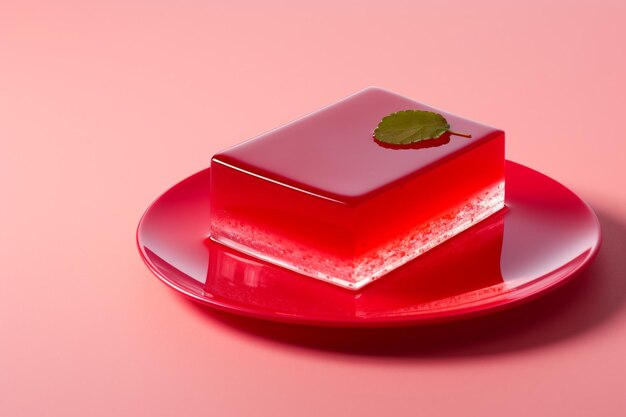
x=358 y=272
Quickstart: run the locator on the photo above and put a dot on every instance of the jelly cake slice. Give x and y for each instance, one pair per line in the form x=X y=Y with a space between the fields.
x=321 y=197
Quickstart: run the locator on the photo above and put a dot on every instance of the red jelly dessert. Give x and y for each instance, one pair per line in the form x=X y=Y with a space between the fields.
x=320 y=196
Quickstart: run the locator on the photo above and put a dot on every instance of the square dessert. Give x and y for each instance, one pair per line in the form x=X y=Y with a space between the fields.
x=322 y=197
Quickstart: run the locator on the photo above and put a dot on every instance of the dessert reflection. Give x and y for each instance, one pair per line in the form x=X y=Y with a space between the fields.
x=464 y=269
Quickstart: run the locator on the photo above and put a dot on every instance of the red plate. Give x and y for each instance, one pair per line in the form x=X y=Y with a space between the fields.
x=546 y=236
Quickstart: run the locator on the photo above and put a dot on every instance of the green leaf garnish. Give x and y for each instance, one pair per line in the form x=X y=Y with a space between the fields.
x=410 y=126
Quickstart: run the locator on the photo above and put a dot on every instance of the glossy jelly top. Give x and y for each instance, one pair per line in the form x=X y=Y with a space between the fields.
x=331 y=153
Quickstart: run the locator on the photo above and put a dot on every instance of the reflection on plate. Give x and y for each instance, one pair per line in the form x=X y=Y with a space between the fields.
x=546 y=235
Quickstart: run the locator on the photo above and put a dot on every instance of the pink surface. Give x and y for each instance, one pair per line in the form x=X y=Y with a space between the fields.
x=105 y=105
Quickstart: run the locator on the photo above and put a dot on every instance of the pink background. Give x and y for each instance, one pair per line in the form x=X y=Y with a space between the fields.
x=104 y=105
